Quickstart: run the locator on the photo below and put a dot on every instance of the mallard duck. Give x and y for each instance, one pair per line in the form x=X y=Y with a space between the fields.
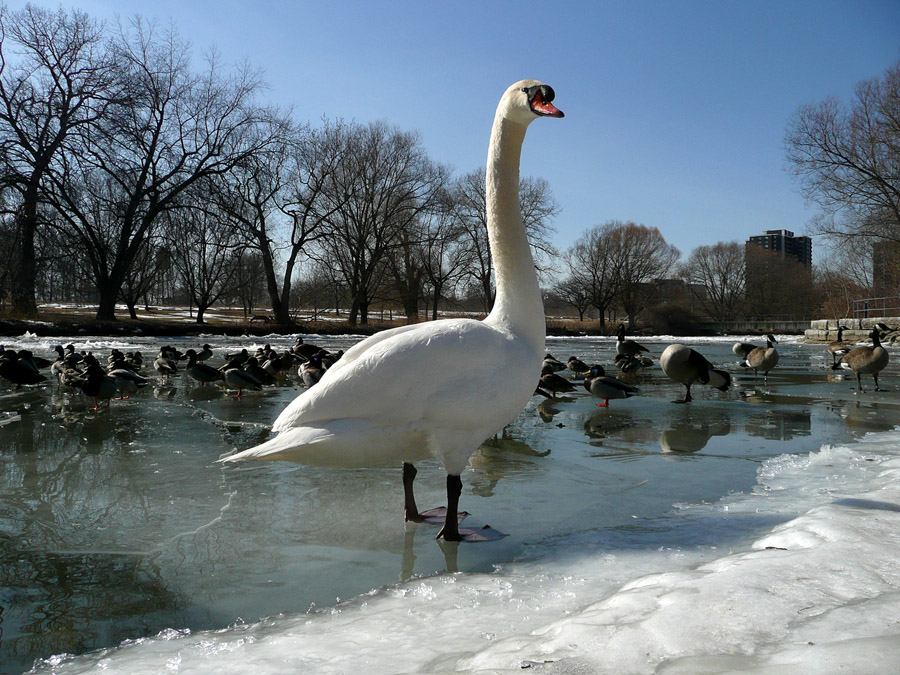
x=606 y=387
x=201 y=371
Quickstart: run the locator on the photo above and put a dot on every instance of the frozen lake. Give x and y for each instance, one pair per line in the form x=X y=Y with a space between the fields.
x=755 y=529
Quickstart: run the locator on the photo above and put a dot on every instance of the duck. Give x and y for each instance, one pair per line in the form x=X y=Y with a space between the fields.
x=867 y=360
x=763 y=358
x=629 y=347
x=628 y=364
x=837 y=348
x=552 y=384
x=606 y=387
x=127 y=381
x=97 y=384
x=577 y=366
x=201 y=372
x=259 y=372
x=237 y=378
x=311 y=371
x=554 y=364
x=164 y=365
x=204 y=354
x=433 y=386
x=687 y=366
x=19 y=370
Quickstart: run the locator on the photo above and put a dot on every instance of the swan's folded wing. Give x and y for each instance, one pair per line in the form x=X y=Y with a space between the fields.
x=445 y=369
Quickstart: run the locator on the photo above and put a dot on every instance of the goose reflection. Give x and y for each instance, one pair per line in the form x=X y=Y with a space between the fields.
x=779 y=425
x=688 y=436
x=498 y=458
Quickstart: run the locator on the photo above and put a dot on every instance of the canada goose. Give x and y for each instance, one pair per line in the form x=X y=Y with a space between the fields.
x=687 y=366
x=742 y=349
x=202 y=372
x=629 y=347
x=433 y=384
x=606 y=387
x=837 y=348
x=764 y=358
x=870 y=360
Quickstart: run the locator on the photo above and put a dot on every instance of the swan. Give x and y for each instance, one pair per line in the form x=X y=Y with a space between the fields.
x=432 y=389
x=867 y=359
x=687 y=366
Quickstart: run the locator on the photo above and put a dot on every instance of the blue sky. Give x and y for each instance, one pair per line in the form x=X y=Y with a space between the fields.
x=675 y=111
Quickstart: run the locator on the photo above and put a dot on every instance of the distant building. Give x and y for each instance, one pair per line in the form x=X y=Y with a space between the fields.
x=785 y=244
x=886 y=267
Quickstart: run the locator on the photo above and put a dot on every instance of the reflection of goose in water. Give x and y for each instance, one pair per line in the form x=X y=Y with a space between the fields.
x=779 y=425
x=433 y=386
x=686 y=436
x=498 y=458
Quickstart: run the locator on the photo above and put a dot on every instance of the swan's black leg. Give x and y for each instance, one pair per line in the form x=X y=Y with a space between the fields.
x=410 y=510
x=450 y=530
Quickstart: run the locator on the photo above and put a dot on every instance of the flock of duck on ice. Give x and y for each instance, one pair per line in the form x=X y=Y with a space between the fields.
x=429 y=386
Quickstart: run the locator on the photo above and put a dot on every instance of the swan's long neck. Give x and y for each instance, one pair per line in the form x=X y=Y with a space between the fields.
x=518 y=305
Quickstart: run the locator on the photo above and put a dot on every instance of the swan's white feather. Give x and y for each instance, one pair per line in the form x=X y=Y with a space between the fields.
x=407 y=393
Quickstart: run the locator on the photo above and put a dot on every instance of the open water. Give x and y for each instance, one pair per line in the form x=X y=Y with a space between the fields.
x=750 y=530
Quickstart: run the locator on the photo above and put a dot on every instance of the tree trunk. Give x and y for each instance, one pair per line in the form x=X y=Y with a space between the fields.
x=24 y=303
x=131 y=304
x=106 y=311
x=200 y=310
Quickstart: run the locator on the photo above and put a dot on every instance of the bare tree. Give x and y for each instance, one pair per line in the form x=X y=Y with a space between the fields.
x=777 y=285
x=385 y=182
x=177 y=128
x=575 y=294
x=715 y=275
x=538 y=210
x=641 y=256
x=152 y=261
x=847 y=159
x=593 y=267
x=62 y=81
x=282 y=200
x=203 y=245
x=444 y=255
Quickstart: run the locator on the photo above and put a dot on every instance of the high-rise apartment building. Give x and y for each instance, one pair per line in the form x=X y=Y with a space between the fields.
x=785 y=244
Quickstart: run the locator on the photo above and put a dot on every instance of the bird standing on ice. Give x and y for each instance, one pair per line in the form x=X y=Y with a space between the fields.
x=431 y=389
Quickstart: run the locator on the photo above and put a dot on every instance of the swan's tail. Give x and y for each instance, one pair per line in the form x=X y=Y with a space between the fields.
x=286 y=445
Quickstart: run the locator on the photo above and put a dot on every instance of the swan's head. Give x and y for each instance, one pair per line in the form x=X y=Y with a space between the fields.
x=527 y=100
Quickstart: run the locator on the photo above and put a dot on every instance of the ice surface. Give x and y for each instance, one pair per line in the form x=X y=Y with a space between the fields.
x=792 y=571
x=818 y=592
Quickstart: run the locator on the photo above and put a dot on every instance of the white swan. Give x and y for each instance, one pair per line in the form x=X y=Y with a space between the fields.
x=432 y=389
